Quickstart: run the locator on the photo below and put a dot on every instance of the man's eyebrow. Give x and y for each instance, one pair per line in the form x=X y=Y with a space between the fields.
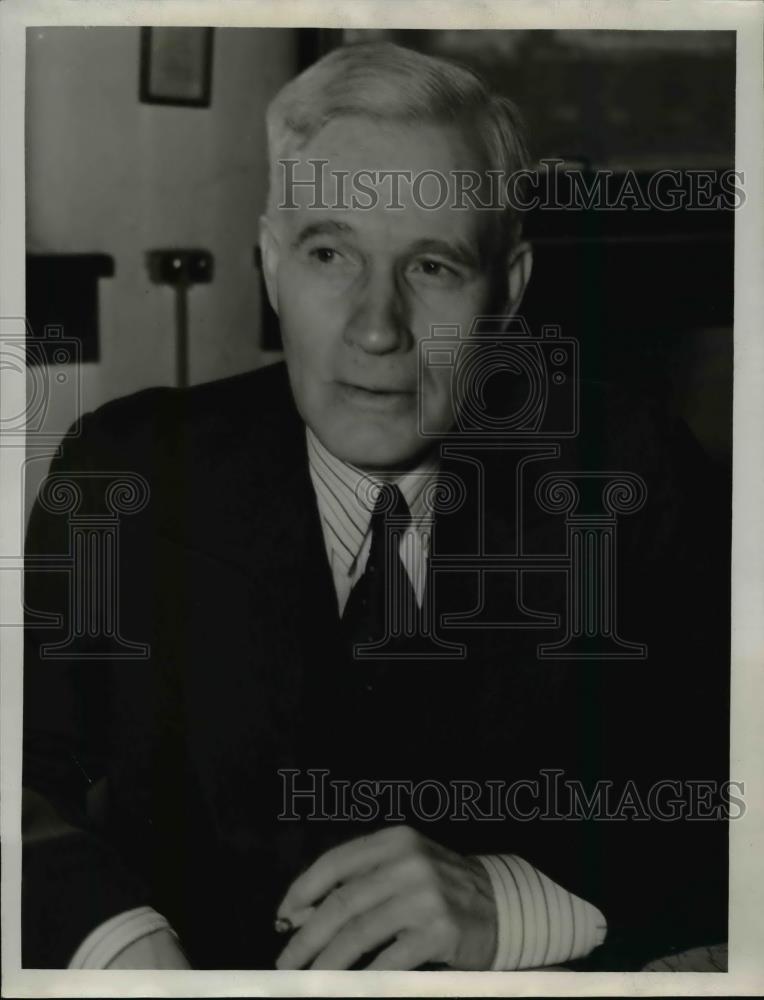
x=458 y=251
x=329 y=227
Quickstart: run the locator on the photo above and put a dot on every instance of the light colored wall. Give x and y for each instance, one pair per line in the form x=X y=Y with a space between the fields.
x=106 y=173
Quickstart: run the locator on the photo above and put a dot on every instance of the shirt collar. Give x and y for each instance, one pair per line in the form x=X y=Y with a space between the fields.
x=346 y=495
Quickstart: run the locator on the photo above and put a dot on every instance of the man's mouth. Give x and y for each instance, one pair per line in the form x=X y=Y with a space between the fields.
x=378 y=390
x=379 y=397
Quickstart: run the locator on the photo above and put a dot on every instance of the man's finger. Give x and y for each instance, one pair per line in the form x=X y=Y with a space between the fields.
x=343 y=904
x=408 y=951
x=366 y=933
x=342 y=863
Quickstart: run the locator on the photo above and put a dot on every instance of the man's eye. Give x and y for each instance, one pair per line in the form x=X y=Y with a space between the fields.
x=435 y=269
x=325 y=255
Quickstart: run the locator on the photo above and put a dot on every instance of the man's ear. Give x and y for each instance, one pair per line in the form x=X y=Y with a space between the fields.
x=519 y=267
x=269 y=254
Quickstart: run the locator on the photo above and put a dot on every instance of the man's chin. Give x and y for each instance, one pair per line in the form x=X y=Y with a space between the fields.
x=373 y=451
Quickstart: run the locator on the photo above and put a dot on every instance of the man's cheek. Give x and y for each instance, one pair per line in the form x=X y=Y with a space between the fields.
x=299 y=331
x=437 y=404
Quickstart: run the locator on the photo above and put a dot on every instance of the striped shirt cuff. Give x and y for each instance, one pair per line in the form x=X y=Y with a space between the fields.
x=538 y=922
x=110 y=938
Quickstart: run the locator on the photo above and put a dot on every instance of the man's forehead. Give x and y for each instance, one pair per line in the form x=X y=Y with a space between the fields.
x=317 y=184
x=364 y=142
x=380 y=180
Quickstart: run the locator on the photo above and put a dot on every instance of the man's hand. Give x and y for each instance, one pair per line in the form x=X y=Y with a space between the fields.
x=393 y=888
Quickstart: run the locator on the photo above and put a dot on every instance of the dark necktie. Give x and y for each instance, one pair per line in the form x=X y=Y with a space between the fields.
x=382 y=608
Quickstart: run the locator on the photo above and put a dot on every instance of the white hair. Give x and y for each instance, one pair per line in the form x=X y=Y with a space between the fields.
x=387 y=82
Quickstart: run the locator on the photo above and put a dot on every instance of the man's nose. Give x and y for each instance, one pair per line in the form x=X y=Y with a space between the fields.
x=378 y=323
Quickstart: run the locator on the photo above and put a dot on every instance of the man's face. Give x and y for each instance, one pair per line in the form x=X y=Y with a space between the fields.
x=357 y=289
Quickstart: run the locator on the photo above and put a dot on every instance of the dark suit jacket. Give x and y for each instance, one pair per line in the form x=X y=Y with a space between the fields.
x=165 y=770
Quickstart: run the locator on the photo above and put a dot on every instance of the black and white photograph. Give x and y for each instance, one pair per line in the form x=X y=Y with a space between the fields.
x=383 y=566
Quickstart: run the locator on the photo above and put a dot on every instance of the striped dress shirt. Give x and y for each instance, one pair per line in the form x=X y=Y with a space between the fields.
x=346 y=498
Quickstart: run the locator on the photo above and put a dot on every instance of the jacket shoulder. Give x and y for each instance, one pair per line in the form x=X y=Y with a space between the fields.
x=199 y=418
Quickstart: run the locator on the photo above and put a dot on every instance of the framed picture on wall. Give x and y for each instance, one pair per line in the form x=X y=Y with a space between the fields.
x=176 y=66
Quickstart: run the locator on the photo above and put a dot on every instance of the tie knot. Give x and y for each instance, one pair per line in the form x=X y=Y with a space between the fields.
x=390 y=507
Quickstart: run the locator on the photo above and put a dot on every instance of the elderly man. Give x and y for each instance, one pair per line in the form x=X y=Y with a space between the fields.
x=164 y=813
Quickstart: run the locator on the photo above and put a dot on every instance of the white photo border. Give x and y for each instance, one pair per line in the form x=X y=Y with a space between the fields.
x=746 y=924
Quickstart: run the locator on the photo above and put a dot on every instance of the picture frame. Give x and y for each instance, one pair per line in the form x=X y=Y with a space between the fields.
x=176 y=66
